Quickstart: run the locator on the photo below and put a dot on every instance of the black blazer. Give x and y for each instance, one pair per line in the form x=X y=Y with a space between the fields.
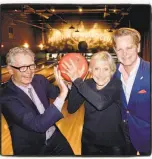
x=102 y=120
x=27 y=126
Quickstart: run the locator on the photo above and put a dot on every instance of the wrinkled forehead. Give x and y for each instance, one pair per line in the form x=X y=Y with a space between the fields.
x=23 y=59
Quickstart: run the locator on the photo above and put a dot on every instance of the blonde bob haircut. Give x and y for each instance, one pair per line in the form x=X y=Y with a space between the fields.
x=103 y=56
x=17 y=51
x=125 y=32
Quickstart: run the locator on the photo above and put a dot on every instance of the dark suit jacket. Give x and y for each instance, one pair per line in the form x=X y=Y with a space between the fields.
x=139 y=108
x=27 y=126
x=102 y=120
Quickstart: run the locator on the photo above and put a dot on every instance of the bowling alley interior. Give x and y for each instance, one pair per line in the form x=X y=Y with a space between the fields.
x=53 y=30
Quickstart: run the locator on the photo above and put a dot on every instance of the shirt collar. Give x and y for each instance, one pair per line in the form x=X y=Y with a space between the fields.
x=24 y=88
x=136 y=66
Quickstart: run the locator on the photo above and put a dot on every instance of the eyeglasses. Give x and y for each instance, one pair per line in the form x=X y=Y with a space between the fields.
x=24 y=68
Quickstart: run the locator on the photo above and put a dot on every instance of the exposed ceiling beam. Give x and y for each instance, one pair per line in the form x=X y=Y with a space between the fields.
x=37 y=11
x=36 y=26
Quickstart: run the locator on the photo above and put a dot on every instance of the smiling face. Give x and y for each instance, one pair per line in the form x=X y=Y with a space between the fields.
x=22 y=78
x=126 y=50
x=101 y=73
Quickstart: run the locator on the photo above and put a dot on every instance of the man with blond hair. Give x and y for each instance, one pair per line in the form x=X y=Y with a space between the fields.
x=134 y=73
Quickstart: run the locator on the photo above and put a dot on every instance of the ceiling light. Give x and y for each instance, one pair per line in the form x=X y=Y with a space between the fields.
x=53 y=10
x=80 y=10
x=26 y=45
x=114 y=10
x=110 y=30
x=41 y=46
x=77 y=31
x=72 y=27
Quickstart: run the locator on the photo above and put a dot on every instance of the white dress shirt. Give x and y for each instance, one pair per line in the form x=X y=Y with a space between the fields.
x=58 y=103
x=128 y=80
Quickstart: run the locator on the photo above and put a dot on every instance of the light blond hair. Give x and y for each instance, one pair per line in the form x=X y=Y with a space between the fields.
x=16 y=51
x=125 y=32
x=103 y=56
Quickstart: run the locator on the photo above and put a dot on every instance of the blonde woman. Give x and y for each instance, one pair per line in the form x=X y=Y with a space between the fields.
x=102 y=133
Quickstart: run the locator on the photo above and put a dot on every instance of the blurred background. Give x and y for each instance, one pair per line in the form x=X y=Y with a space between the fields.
x=52 y=30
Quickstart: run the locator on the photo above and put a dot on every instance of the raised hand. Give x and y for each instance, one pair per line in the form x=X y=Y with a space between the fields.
x=72 y=70
x=60 y=82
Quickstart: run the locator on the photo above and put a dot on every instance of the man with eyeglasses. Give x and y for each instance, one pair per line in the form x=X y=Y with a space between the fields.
x=24 y=68
x=25 y=104
x=134 y=73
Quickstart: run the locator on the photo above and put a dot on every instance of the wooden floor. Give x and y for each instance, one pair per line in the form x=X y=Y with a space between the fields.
x=70 y=126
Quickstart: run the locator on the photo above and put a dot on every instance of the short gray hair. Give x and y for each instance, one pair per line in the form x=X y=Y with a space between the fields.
x=16 y=51
x=103 y=56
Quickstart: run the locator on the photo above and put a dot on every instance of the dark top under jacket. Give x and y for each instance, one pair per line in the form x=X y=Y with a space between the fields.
x=102 y=120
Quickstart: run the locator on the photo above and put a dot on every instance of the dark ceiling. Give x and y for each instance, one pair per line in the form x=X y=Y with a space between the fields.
x=137 y=16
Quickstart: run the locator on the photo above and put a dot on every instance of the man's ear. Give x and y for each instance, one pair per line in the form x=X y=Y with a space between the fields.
x=138 y=48
x=10 y=70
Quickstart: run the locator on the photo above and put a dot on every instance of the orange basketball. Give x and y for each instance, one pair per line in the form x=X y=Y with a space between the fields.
x=78 y=59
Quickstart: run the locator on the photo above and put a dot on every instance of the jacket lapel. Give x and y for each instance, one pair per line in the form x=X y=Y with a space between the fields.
x=137 y=83
x=40 y=93
x=22 y=96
